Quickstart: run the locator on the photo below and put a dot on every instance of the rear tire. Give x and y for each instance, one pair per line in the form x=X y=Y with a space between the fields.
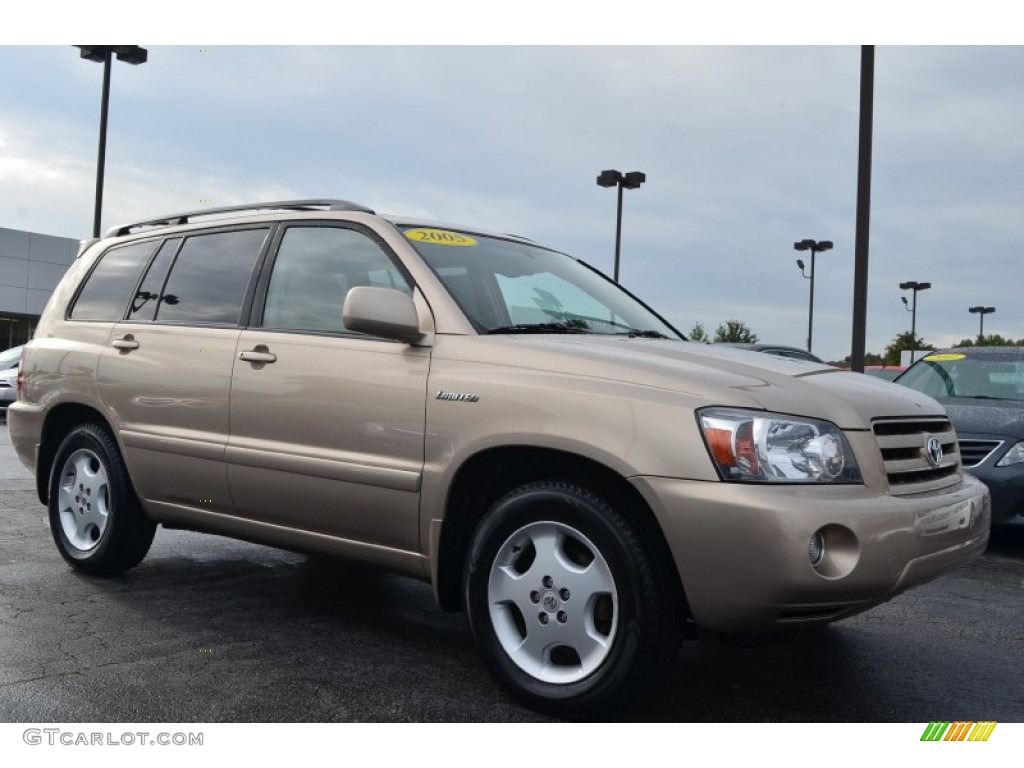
x=95 y=517
x=568 y=607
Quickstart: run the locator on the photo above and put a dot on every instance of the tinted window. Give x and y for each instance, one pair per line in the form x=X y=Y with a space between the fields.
x=147 y=298
x=208 y=280
x=108 y=288
x=313 y=272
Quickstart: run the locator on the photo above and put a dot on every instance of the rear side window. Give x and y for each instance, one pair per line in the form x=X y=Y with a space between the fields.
x=208 y=280
x=110 y=284
x=148 y=297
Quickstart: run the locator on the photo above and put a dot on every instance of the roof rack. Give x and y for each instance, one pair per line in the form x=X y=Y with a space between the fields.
x=279 y=205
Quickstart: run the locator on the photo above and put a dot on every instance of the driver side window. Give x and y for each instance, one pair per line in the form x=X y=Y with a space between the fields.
x=313 y=272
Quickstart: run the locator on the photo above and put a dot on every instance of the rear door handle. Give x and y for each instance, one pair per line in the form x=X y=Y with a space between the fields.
x=127 y=343
x=257 y=355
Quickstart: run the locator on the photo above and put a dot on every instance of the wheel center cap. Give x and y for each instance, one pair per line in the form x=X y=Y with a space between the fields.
x=550 y=602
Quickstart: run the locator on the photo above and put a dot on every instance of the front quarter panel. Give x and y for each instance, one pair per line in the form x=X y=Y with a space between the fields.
x=473 y=406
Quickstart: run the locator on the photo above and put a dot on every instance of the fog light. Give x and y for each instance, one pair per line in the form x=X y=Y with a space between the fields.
x=816 y=549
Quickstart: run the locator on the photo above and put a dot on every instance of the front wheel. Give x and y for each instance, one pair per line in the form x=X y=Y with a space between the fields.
x=569 y=608
x=95 y=518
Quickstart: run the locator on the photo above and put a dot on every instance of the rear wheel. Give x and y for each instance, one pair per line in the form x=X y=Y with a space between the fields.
x=567 y=606
x=95 y=517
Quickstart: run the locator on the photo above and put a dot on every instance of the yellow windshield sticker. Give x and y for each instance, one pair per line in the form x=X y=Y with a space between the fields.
x=439 y=237
x=943 y=358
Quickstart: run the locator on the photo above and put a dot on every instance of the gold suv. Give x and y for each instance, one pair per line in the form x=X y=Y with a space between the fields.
x=489 y=415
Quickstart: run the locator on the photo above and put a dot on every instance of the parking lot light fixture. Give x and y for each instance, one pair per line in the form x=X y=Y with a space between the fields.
x=631 y=180
x=815 y=247
x=981 y=311
x=101 y=54
x=913 y=285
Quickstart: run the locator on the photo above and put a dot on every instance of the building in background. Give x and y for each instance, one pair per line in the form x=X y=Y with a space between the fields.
x=31 y=265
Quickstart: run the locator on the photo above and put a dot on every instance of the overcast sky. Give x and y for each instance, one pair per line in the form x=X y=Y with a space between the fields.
x=746 y=149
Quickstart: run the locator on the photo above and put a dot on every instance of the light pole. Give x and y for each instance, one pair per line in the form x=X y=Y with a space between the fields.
x=631 y=180
x=981 y=312
x=815 y=247
x=131 y=54
x=912 y=285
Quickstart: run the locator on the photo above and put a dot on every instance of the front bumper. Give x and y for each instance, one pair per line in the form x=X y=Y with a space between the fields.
x=742 y=550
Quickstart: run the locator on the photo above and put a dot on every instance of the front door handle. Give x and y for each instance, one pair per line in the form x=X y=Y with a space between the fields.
x=126 y=343
x=258 y=355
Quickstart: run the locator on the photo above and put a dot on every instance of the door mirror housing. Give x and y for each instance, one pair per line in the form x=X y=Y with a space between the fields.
x=382 y=312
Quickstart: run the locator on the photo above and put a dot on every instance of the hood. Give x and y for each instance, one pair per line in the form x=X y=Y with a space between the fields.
x=986 y=417
x=718 y=375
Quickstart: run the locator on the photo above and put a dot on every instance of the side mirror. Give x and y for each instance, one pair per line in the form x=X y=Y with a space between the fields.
x=381 y=312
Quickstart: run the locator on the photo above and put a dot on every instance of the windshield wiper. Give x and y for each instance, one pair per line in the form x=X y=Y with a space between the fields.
x=540 y=328
x=636 y=333
x=988 y=397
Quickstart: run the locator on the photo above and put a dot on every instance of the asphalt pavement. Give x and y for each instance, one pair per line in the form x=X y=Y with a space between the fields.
x=208 y=629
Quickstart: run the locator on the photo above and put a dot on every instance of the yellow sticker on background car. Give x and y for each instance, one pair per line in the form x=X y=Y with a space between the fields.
x=947 y=356
x=439 y=237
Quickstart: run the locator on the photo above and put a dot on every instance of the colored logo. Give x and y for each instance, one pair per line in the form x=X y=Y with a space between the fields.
x=958 y=731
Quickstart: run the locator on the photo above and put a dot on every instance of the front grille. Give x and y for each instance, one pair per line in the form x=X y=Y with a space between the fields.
x=974 y=452
x=903 y=443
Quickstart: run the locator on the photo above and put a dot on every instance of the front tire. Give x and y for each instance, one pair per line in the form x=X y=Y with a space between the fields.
x=570 y=610
x=95 y=517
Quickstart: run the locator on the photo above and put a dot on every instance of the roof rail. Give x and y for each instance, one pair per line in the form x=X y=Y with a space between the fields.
x=279 y=205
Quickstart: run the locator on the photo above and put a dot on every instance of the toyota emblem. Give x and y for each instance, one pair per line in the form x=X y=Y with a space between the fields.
x=933 y=451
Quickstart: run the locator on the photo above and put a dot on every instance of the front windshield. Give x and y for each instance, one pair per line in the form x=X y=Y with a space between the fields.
x=983 y=375
x=505 y=286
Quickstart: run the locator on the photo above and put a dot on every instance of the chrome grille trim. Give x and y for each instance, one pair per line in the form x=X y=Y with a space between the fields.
x=975 y=452
x=902 y=443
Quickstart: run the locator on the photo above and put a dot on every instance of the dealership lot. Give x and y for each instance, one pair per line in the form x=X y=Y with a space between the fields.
x=207 y=629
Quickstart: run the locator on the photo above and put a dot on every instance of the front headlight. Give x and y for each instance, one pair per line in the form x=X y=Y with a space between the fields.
x=1013 y=456
x=760 y=447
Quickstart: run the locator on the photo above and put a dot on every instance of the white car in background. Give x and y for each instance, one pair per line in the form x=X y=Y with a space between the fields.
x=9 y=361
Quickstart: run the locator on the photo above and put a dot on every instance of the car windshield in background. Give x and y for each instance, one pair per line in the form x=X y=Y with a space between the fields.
x=504 y=286
x=997 y=375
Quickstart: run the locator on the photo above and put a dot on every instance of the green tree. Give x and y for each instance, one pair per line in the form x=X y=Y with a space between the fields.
x=697 y=333
x=992 y=340
x=903 y=341
x=735 y=332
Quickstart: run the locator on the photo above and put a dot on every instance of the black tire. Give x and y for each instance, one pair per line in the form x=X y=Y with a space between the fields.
x=585 y=659
x=95 y=517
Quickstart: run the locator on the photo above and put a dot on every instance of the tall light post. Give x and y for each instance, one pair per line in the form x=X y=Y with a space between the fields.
x=981 y=312
x=631 y=180
x=130 y=54
x=912 y=285
x=815 y=247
